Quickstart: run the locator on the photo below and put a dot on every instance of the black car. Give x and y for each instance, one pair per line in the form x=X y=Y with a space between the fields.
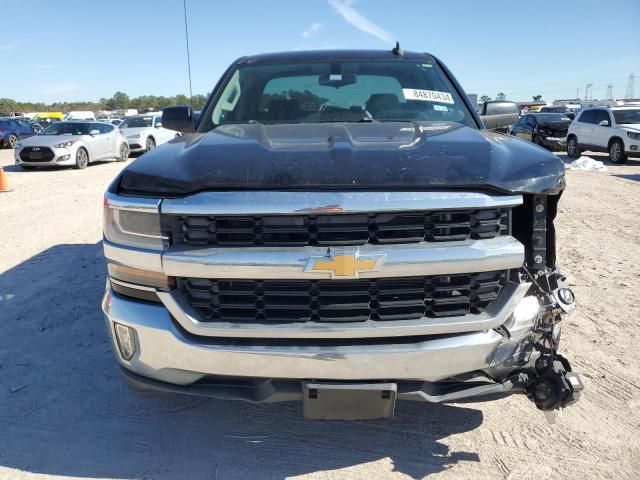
x=14 y=129
x=566 y=111
x=548 y=130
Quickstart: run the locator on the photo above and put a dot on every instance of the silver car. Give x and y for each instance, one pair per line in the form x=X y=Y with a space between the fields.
x=72 y=144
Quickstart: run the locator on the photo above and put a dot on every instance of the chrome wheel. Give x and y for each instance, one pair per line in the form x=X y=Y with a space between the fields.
x=150 y=144
x=616 y=152
x=12 y=141
x=124 y=153
x=82 y=159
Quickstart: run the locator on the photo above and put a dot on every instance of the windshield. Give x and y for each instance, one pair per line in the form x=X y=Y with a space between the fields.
x=67 y=128
x=340 y=91
x=627 y=116
x=137 y=122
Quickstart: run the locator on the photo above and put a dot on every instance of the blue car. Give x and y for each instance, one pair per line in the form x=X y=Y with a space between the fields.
x=13 y=130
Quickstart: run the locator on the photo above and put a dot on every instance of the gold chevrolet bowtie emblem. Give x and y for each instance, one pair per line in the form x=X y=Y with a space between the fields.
x=345 y=264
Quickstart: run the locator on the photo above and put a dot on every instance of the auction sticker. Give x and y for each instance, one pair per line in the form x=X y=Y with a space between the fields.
x=427 y=95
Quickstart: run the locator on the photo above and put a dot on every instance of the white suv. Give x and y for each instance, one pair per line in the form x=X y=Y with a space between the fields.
x=606 y=129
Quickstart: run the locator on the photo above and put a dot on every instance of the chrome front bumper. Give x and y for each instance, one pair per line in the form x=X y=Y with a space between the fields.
x=167 y=353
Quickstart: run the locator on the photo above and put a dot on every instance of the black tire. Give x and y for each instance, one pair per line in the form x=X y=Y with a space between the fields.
x=82 y=158
x=150 y=144
x=12 y=140
x=573 y=151
x=124 y=153
x=616 y=152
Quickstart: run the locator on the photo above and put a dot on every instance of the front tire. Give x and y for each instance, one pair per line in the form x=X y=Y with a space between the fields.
x=616 y=152
x=150 y=144
x=82 y=159
x=572 y=148
x=124 y=153
x=12 y=140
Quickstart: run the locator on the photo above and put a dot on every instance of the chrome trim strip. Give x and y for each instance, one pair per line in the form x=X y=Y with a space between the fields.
x=133 y=257
x=296 y=203
x=498 y=312
x=403 y=260
x=132 y=285
x=136 y=204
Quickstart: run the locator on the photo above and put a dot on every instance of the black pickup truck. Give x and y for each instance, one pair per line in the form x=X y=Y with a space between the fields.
x=340 y=229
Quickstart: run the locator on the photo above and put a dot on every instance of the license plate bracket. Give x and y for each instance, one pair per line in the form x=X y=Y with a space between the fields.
x=353 y=401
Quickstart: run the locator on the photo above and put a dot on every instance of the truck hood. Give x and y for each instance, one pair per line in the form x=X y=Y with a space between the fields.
x=398 y=155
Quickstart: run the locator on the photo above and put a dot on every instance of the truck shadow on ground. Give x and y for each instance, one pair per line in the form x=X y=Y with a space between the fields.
x=65 y=411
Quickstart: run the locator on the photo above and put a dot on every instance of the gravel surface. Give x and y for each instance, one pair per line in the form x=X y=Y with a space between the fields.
x=65 y=413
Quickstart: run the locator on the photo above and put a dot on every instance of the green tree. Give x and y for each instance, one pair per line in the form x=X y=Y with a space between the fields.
x=537 y=98
x=120 y=100
x=7 y=106
x=485 y=98
x=501 y=96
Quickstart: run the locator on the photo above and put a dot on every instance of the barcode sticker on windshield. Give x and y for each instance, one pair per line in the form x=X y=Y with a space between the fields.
x=427 y=95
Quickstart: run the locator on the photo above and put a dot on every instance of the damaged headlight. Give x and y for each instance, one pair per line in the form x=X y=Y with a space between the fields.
x=133 y=226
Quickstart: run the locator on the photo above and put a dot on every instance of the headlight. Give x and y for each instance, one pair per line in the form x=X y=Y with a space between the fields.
x=18 y=145
x=133 y=136
x=634 y=135
x=65 y=144
x=133 y=227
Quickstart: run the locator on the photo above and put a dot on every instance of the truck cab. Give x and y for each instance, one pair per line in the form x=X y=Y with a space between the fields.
x=339 y=229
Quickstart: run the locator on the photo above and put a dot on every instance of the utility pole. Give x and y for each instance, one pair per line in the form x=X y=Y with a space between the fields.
x=578 y=93
x=588 y=90
x=610 y=91
x=629 y=93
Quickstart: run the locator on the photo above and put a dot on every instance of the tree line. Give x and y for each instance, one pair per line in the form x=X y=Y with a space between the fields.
x=118 y=101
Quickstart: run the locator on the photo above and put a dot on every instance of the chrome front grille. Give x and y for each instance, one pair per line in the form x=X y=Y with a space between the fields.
x=381 y=299
x=338 y=229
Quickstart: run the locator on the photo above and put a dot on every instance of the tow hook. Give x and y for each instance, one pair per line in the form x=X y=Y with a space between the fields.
x=556 y=386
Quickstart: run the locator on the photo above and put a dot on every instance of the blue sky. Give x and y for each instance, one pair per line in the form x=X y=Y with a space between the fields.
x=84 y=50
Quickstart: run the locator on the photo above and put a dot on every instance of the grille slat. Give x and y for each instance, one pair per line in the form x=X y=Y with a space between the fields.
x=337 y=229
x=383 y=299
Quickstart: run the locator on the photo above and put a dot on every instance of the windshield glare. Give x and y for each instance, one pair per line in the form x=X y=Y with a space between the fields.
x=346 y=91
x=627 y=116
x=137 y=122
x=67 y=128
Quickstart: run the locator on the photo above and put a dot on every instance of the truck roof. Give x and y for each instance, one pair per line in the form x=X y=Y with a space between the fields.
x=312 y=55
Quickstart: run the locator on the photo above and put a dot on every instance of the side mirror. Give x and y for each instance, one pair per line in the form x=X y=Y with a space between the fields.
x=604 y=123
x=499 y=114
x=159 y=125
x=95 y=131
x=179 y=119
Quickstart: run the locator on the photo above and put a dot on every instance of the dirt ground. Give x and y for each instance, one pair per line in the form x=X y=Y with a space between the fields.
x=64 y=412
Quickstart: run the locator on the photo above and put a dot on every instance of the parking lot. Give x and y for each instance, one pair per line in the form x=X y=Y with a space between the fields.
x=65 y=412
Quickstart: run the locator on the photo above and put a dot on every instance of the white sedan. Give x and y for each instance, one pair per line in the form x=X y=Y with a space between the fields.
x=145 y=132
x=72 y=144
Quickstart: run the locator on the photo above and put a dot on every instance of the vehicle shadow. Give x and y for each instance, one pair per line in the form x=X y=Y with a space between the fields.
x=65 y=411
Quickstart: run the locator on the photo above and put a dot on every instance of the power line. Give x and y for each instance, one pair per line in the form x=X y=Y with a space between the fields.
x=186 y=34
